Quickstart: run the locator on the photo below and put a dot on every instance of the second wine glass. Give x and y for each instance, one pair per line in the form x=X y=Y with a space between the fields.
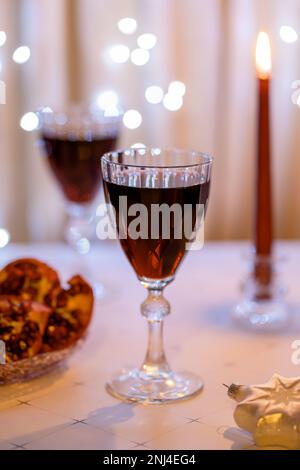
x=74 y=140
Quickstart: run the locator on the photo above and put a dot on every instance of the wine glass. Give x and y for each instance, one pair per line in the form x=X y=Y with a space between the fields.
x=157 y=199
x=74 y=140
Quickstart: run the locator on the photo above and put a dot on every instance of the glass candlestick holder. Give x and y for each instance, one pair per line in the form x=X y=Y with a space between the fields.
x=263 y=306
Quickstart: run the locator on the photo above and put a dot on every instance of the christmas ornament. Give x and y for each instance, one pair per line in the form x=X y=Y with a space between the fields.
x=270 y=412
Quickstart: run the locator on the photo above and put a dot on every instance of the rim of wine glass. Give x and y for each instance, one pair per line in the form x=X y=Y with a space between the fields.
x=49 y=116
x=207 y=159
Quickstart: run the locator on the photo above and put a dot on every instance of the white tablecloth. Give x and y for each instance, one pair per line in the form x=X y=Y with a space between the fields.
x=70 y=409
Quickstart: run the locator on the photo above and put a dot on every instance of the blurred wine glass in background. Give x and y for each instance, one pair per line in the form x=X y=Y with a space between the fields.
x=74 y=141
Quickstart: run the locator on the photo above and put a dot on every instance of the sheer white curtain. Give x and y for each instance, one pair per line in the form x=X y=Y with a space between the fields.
x=208 y=44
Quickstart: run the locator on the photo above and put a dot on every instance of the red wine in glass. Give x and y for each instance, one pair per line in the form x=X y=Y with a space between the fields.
x=75 y=164
x=156 y=258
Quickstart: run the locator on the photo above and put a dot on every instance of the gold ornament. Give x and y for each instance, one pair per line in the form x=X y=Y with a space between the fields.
x=270 y=412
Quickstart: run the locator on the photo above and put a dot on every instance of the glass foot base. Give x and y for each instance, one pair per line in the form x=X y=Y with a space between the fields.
x=134 y=386
x=265 y=315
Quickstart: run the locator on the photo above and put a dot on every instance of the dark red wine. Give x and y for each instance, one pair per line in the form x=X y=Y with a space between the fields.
x=155 y=258
x=76 y=165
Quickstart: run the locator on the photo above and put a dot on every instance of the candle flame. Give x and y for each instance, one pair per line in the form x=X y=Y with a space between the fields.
x=263 y=56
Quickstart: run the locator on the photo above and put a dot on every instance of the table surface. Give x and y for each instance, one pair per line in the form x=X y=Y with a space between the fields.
x=70 y=409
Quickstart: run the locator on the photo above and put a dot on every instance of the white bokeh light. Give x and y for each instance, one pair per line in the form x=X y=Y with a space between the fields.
x=172 y=102
x=4 y=237
x=107 y=100
x=154 y=94
x=127 y=25
x=21 y=55
x=156 y=151
x=2 y=38
x=47 y=109
x=139 y=57
x=288 y=34
x=132 y=119
x=29 y=122
x=119 y=53
x=147 y=41
x=83 y=246
x=298 y=100
x=177 y=88
x=138 y=145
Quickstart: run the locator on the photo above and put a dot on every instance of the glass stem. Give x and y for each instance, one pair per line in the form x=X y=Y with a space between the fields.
x=155 y=308
x=79 y=227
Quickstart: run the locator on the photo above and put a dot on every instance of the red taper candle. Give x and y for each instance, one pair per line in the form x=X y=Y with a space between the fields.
x=263 y=209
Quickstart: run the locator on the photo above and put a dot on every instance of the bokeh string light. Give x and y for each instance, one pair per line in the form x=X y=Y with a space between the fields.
x=138 y=145
x=154 y=94
x=29 y=121
x=4 y=237
x=127 y=25
x=119 y=53
x=177 y=88
x=2 y=38
x=172 y=100
x=139 y=57
x=47 y=109
x=132 y=119
x=107 y=100
x=147 y=41
x=21 y=55
x=288 y=34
